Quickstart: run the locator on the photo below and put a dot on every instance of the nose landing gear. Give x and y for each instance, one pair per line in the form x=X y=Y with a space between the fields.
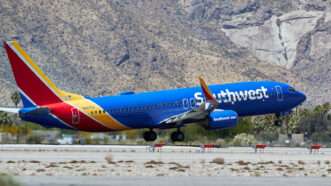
x=278 y=121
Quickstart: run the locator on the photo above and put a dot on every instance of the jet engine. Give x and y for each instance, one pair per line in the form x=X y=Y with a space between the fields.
x=221 y=119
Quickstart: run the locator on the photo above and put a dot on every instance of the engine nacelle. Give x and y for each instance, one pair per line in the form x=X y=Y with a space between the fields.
x=221 y=119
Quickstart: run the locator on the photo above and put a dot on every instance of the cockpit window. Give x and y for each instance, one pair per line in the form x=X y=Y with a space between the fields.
x=291 y=89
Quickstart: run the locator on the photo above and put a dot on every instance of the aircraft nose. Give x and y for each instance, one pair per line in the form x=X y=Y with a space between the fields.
x=301 y=96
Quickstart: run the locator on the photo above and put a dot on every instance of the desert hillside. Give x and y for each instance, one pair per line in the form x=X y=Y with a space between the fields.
x=104 y=47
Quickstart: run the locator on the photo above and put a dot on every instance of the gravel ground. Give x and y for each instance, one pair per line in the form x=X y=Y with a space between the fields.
x=172 y=161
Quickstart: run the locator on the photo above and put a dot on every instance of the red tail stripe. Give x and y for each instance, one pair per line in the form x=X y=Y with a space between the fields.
x=29 y=82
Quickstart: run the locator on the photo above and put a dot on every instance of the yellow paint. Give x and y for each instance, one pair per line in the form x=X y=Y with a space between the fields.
x=205 y=88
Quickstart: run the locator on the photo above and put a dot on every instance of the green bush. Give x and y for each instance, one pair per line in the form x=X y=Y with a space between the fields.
x=6 y=180
x=243 y=139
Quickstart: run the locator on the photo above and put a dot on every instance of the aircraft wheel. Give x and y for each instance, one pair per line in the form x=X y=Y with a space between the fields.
x=150 y=135
x=177 y=136
x=278 y=123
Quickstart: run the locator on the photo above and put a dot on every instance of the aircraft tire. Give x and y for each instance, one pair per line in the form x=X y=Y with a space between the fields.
x=150 y=136
x=177 y=136
x=278 y=123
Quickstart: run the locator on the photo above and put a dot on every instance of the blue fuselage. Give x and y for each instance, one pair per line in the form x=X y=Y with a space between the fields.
x=147 y=110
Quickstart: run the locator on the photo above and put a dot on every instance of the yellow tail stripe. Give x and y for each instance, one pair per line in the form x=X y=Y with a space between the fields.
x=33 y=65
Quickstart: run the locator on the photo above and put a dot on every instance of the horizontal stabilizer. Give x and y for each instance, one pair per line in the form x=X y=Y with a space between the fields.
x=10 y=110
x=35 y=111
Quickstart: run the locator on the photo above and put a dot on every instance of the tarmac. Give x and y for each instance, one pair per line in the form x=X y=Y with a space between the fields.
x=172 y=181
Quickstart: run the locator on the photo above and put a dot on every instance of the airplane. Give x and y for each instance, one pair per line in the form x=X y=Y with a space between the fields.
x=214 y=107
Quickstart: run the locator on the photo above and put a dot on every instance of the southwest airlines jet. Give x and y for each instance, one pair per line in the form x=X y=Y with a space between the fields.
x=214 y=106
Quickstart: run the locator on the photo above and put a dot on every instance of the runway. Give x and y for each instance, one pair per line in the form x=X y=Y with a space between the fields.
x=173 y=181
x=172 y=165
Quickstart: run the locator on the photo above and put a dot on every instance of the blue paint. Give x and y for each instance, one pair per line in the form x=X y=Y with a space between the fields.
x=148 y=109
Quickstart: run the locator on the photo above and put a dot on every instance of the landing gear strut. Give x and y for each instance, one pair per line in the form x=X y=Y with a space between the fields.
x=150 y=135
x=278 y=121
x=177 y=136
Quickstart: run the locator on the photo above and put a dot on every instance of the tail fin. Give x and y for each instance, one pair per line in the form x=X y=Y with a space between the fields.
x=35 y=87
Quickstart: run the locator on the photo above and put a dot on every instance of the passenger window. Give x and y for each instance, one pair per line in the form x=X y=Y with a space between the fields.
x=185 y=103
x=192 y=101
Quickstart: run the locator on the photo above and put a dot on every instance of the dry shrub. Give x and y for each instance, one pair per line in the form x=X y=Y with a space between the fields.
x=40 y=170
x=242 y=163
x=234 y=170
x=265 y=162
x=279 y=169
x=179 y=166
x=51 y=165
x=153 y=162
x=246 y=168
x=219 y=161
x=75 y=161
x=180 y=170
x=109 y=159
x=301 y=162
x=173 y=168
x=34 y=161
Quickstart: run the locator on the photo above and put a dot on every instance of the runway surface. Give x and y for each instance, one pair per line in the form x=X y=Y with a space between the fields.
x=173 y=181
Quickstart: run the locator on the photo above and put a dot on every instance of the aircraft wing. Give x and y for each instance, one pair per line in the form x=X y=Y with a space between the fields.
x=10 y=110
x=196 y=114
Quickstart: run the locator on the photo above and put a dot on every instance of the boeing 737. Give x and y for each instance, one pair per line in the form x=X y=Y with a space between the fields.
x=214 y=106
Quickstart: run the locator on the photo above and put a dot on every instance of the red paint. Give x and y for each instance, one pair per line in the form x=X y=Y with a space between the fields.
x=208 y=146
x=315 y=146
x=260 y=146
x=29 y=82
x=64 y=112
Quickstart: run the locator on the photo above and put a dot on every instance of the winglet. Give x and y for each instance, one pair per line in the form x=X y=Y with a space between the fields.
x=207 y=93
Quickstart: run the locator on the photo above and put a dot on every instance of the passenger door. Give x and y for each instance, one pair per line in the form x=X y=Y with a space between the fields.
x=279 y=93
x=75 y=116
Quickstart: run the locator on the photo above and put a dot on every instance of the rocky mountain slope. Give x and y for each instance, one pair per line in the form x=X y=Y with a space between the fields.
x=103 y=47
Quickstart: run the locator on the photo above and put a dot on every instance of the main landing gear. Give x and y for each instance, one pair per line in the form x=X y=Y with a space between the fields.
x=177 y=136
x=150 y=135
